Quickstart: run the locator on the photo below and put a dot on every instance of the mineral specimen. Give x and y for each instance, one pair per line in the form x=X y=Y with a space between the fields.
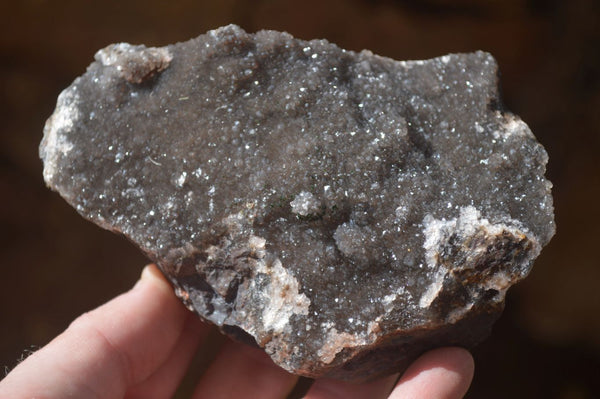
x=341 y=210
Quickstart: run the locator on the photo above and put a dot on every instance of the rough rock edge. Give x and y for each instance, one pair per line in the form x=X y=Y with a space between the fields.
x=135 y=64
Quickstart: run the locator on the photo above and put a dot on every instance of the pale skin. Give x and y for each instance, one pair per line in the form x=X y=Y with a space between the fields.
x=139 y=345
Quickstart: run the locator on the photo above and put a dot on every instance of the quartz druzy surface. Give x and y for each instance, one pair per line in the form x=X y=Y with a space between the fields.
x=341 y=210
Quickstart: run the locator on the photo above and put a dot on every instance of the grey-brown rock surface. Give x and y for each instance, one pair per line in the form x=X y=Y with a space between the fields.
x=341 y=210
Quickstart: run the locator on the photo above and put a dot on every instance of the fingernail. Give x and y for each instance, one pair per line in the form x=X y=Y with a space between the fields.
x=151 y=273
x=146 y=275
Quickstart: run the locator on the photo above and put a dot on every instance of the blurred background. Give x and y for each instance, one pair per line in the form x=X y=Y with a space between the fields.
x=55 y=265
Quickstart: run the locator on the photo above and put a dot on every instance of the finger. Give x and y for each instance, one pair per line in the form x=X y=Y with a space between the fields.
x=444 y=373
x=164 y=382
x=240 y=371
x=332 y=389
x=107 y=350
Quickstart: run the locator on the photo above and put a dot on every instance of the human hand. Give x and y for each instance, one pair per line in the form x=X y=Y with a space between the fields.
x=140 y=344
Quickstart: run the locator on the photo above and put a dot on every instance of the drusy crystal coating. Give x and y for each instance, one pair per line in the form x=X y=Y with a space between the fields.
x=342 y=210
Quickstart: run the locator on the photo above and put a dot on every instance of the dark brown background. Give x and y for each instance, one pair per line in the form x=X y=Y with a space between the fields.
x=56 y=266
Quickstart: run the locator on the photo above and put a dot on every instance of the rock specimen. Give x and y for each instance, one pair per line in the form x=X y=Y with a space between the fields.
x=341 y=210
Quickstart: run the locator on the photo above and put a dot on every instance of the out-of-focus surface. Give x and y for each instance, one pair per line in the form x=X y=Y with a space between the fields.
x=55 y=265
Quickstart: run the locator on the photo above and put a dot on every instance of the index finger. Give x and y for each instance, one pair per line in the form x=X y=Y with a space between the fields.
x=107 y=350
